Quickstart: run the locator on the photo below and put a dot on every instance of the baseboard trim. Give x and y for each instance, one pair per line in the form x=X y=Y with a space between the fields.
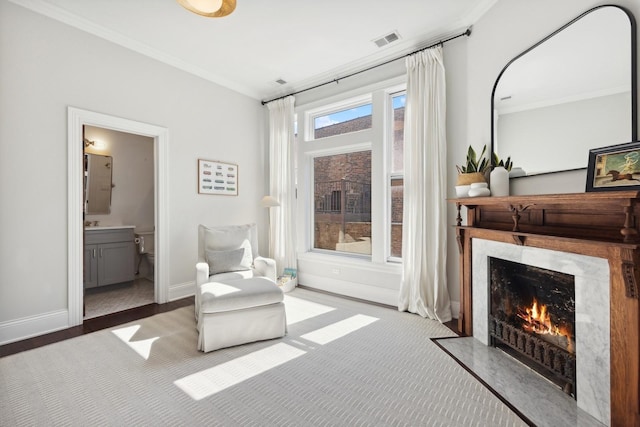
x=182 y=290
x=363 y=291
x=28 y=327
x=363 y=301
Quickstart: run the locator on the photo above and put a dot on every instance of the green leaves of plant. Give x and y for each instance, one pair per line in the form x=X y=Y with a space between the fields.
x=475 y=163
x=507 y=164
x=481 y=164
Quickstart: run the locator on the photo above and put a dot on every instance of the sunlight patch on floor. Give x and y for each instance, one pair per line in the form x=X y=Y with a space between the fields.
x=299 y=309
x=339 y=329
x=213 y=380
x=142 y=347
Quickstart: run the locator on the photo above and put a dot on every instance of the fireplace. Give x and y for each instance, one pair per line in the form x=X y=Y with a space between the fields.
x=532 y=318
x=593 y=236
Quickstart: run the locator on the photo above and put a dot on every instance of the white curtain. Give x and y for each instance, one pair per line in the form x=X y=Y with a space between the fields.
x=424 y=230
x=282 y=184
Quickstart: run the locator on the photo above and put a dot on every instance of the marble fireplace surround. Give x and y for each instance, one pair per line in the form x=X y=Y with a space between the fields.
x=591 y=305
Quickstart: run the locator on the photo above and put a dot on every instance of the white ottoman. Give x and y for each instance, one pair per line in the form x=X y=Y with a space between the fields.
x=238 y=312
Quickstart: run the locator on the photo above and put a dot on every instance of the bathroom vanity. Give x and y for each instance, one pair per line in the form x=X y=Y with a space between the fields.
x=109 y=255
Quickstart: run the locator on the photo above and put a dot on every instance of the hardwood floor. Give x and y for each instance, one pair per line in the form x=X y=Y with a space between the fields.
x=92 y=325
x=453 y=325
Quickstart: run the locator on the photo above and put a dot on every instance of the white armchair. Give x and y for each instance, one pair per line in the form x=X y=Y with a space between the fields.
x=227 y=245
x=237 y=299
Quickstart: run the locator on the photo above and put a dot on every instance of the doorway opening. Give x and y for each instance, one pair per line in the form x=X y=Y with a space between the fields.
x=119 y=228
x=78 y=120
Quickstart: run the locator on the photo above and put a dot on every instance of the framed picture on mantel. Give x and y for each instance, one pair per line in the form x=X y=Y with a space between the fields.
x=614 y=168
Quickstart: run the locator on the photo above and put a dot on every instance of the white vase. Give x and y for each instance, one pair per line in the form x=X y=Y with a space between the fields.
x=499 y=179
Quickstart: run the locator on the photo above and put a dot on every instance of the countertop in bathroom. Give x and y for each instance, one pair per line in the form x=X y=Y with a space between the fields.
x=107 y=227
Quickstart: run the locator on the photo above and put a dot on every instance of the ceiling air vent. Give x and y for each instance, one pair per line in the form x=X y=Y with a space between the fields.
x=281 y=82
x=385 y=40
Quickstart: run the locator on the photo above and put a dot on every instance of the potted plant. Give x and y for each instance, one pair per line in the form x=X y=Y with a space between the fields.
x=474 y=168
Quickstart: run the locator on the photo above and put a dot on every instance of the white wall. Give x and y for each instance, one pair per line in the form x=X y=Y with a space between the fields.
x=132 y=197
x=46 y=66
x=503 y=32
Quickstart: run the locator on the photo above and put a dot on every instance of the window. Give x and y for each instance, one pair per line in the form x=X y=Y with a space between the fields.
x=396 y=175
x=351 y=175
x=397 y=194
x=342 y=201
x=352 y=119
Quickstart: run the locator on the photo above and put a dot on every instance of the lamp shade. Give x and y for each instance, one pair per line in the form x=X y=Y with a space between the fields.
x=269 y=202
x=209 y=8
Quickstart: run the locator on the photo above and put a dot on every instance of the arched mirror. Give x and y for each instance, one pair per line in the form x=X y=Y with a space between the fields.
x=573 y=91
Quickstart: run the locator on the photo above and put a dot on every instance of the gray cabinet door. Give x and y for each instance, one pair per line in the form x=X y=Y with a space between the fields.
x=90 y=266
x=116 y=262
x=109 y=257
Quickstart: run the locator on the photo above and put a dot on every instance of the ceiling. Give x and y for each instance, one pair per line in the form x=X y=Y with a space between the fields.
x=303 y=42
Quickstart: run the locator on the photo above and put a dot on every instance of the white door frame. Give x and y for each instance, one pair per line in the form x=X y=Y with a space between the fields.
x=77 y=118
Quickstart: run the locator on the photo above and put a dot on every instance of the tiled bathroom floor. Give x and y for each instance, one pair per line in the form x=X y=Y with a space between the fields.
x=118 y=297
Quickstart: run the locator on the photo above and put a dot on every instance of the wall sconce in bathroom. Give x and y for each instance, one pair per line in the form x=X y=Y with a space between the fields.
x=97 y=145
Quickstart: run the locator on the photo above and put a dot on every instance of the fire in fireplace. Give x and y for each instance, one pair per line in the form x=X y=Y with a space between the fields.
x=537 y=320
x=532 y=318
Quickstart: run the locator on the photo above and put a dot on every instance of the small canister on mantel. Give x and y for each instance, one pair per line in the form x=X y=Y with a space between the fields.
x=479 y=189
x=499 y=179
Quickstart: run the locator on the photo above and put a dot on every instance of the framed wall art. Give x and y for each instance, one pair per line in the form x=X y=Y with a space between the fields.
x=616 y=167
x=215 y=177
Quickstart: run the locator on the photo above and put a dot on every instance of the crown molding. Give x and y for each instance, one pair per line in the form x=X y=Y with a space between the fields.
x=61 y=15
x=476 y=13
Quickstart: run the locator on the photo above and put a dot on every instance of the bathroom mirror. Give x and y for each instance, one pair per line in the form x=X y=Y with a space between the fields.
x=97 y=184
x=573 y=91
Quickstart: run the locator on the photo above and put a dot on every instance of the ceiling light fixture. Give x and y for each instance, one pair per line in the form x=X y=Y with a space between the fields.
x=209 y=8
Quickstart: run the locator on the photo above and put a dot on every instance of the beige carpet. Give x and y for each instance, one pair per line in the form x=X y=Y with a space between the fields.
x=342 y=363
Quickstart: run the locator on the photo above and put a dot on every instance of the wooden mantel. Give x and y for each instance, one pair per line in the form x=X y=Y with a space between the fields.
x=599 y=224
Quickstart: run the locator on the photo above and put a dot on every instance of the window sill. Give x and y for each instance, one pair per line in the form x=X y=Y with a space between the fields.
x=341 y=260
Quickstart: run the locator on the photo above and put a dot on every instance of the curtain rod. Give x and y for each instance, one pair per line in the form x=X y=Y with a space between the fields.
x=337 y=80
